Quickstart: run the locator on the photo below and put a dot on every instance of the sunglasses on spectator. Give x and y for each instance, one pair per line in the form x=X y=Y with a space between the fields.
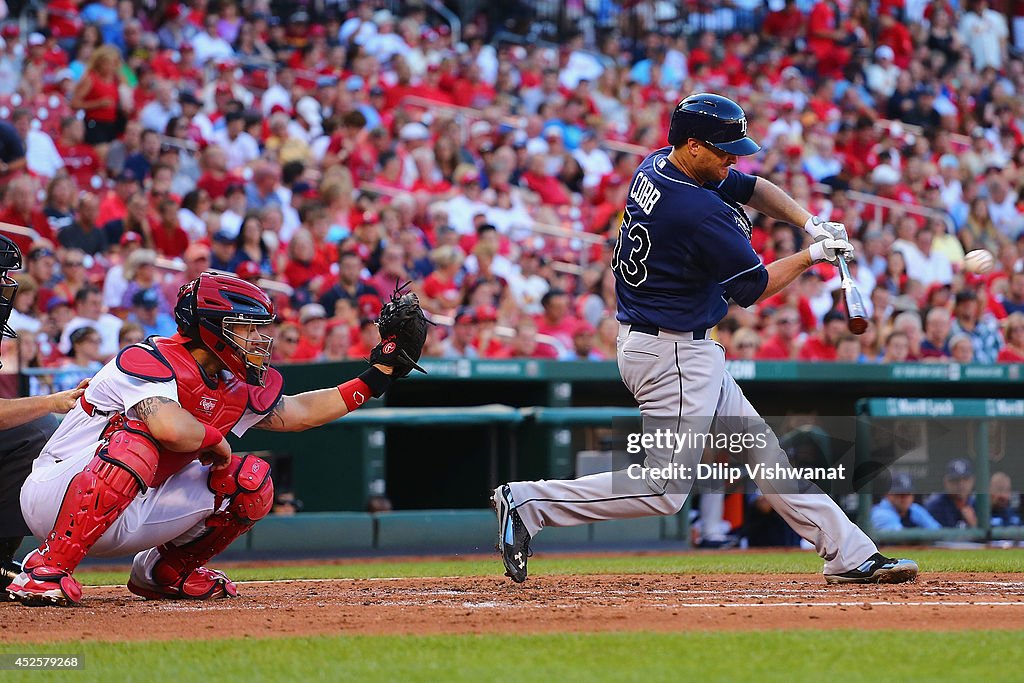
x=73 y=264
x=747 y=345
x=787 y=321
x=290 y=339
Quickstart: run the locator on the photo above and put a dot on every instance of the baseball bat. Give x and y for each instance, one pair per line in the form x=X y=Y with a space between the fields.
x=855 y=309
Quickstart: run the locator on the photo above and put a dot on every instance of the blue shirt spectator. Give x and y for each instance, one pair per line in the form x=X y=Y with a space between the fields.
x=893 y=515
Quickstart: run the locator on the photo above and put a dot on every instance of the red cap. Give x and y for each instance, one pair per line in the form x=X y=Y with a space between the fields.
x=369 y=306
x=583 y=327
x=247 y=270
x=485 y=314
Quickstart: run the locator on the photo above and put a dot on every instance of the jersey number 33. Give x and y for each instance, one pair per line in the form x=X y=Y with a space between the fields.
x=631 y=251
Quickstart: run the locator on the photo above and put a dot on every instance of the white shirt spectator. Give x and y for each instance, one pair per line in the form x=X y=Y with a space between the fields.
x=514 y=221
x=114 y=286
x=881 y=76
x=19 y=322
x=528 y=291
x=361 y=29
x=784 y=132
x=109 y=326
x=926 y=269
x=1005 y=216
x=595 y=164
x=384 y=46
x=192 y=224
x=209 y=47
x=985 y=35
x=500 y=266
x=581 y=66
x=239 y=152
x=461 y=210
x=275 y=94
x=155 y=116
x=41 y=155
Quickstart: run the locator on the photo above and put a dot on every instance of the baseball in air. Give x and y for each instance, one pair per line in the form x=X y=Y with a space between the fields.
x=979 y=261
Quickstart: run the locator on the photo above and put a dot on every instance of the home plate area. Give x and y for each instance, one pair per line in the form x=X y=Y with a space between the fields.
x=575 y=603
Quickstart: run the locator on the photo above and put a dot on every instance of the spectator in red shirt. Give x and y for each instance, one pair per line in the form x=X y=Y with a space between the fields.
x=486 y=341
x=786 y=24
x=369 y=336
x=215 y=179
x=21 y=208
x=168 y=237
x=313 y=322
x=825 y=40
x=822 y=346
x=526 y=345
x=114 y=205
x=301 y=271
x=550 y=189
x=783 y=345
x=441 y=290
x=80 y=159
x=1013 y=352
x=557 y=320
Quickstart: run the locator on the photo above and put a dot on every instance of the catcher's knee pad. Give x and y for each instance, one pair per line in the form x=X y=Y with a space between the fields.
x=246 y=483
x=124 y=465
x=249 y=490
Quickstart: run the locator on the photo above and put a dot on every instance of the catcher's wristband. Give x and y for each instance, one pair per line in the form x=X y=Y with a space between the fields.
x=355 y=392
x=211 y=438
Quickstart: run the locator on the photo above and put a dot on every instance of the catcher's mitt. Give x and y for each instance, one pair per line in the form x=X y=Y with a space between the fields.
x=403 y=331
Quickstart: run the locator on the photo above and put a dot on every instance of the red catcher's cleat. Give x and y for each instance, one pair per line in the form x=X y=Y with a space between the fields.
x=201 y=584
x=44 y=585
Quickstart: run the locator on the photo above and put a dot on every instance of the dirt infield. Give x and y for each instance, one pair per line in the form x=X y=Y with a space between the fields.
x=543 y=604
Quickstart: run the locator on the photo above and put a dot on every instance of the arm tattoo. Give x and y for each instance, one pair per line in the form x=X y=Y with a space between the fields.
x=274 y=420
x=148 y=407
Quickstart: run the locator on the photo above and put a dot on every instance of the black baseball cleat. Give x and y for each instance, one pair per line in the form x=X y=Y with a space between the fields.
x=513 y=538
x=877 y=569
x=8 y=567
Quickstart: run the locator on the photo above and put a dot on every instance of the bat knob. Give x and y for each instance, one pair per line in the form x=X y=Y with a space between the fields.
x=857 y=325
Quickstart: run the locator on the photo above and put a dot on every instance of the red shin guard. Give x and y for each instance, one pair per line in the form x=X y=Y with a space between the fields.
x=247 y=485
x=123 y=465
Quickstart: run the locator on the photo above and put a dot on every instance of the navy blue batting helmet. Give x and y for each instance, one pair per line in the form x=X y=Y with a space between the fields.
x=713 y=119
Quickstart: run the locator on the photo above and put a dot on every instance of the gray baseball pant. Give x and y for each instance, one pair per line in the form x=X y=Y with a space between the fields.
x=681 y=381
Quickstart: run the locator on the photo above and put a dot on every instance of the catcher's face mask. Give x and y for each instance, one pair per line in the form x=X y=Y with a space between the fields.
x=251 y=346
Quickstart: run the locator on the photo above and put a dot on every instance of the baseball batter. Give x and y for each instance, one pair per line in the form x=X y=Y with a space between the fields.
x=141 y=465
x=683 y=252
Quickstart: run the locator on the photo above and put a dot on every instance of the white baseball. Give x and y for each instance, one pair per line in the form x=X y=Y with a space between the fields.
x=979 y=261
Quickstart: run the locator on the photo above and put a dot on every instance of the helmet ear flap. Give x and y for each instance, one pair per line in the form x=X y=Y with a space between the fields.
x=185 y=310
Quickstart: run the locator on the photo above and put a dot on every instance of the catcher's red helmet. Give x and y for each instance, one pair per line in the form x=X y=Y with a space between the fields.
x=210 y=310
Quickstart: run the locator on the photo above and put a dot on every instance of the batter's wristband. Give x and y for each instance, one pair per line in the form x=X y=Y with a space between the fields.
x=211 y=439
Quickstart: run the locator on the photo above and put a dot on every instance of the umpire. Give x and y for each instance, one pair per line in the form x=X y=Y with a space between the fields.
x=683 y=252
x=26 y=424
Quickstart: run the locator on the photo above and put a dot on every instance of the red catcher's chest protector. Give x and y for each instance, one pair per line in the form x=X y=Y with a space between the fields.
x=219 y=402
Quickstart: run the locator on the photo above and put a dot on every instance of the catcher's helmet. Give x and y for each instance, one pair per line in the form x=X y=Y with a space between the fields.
x=10 y=259
x=713 y=119
x=211 y=302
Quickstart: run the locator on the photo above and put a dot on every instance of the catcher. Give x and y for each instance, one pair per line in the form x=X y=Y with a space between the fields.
x=141 y=465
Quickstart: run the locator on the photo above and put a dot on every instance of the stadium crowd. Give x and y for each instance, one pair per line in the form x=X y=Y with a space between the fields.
x=331 y=154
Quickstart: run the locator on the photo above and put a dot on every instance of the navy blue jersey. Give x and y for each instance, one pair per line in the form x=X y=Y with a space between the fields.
x=684 y=250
